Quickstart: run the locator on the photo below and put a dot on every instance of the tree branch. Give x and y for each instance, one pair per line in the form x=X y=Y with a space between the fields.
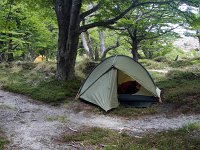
x=115 y=28
x=110 y=48
x=87 y=13
x=130 y=33
x=113 y=20
x=113 y=46
x=153 y=37
x=15 y=47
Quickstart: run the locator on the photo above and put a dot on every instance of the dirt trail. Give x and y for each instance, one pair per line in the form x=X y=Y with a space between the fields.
x=165 y=71
x=32 y=125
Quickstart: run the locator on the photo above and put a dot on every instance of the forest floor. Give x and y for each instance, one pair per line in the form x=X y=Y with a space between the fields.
x=30 y=124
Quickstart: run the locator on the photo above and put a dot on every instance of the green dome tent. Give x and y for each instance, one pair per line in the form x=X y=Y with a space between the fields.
x=100 y=87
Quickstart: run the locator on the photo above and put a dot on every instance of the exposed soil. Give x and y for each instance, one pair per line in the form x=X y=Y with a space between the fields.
x=165 y=71
x=32 y=125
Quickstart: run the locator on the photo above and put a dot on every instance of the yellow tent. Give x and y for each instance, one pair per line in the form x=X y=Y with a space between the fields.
x=40 y=58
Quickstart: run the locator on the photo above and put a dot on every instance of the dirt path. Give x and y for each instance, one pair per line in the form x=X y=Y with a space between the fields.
x=165 y=71
x=32 y=125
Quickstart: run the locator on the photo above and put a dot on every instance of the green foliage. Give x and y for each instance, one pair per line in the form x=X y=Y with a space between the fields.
x=173 y=54
x=157 y=47
x=25 y=29
x=148 y=29
x=186 y=138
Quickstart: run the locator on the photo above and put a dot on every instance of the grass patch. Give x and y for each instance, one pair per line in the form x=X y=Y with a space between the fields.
x=182 y=89
x=62 y=119
x=185 y=62
x=3 y=140
x=121 y=111
x=37 y=81
x=186 y=138
x=150 y=64
x=157 y=76
x=129 y=112
x=181 y=63
x=175 y=78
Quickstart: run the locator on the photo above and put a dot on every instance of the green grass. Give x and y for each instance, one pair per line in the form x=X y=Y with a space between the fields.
x=121 y=111
x=150 y=64
x=185 y=62
x=3 y=140
x=130 y=112
x=37 y=81
x=157 y=76
x=186 y=138
x=62 y=119
x=181 y=88
x=181 y=63
x=162 y=63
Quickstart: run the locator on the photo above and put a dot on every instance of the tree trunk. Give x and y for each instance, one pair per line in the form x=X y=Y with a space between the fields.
x=89 y=42
x=67 y=12
x=109 y=48
x=103 y=49
x=102 y=44
x=68 y=17
x=134 y=50
x=198 y=36
x=87 y=45
x=96 y=54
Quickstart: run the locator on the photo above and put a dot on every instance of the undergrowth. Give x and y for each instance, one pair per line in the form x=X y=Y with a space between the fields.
x=37 y=81
x=186 y=138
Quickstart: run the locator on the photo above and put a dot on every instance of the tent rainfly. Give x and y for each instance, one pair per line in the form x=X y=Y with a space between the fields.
x=101 y=86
